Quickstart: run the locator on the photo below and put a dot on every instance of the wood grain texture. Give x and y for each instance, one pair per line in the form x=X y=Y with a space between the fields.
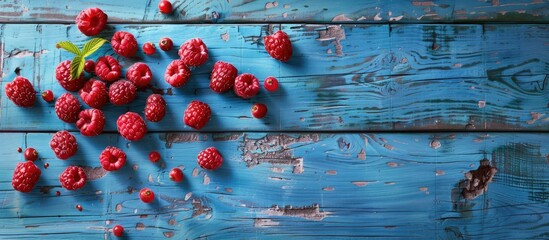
x=341 y=77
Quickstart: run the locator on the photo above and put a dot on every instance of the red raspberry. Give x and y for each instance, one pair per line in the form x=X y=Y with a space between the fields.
x=177 y=74
x=279 y=46
x=139 y=74
x=155 y=109
x=131 y=126
x=25 y=176
x=210 y=159
x=270 y=84
x=63 y=144
x=149 y=48
x=91 y=122
x=166 y=44
x=21 y=92
x=246 y=85
x=89 y=66
x=107 y=69
x=124 y=44
x=222 y=77
x=197 y=114
x=94 y=94
x=73 y=178
x=63 y=76
x=122 y=92
x=193 y=52
x=47 y=96
x=259 y=110
x=91 y=21
x=112 y=158
x=67 y=108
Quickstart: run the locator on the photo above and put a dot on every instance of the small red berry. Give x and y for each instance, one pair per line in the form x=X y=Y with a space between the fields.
x=176 y=175
x=118 y=230
x=209 y=159
x=79 y=207
x=19 y=149
x=149 y=48
x=146 y=195
x=259 y=110
x=47 y=95
x=165 y=7
x=271 y=84
x=31 y=154
x=46 y=165
x=58 y=193
x=154 y=156
x=89 y=66
x=166 y=44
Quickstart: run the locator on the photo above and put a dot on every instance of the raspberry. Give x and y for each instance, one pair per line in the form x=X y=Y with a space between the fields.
x=112 y=158
x=63 y=144
x=67 y=108
x=210 y=159
x=25 y=176
x=73 y=178
x=222 y=77
x=177 y=74
x=124 y=44
x=197 y=114
x=91 y=21
x=122 y=92
x=91 y=122
x=246 y=85
x=21 y=92
x=155 y=108
x=63 y=76
x=131 y=126
x=94 y=94
x=139 y=74
x=279 y=46
x=107 y=69
x=193 y=52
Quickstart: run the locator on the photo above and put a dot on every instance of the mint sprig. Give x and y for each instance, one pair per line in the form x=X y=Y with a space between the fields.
x=77 y=63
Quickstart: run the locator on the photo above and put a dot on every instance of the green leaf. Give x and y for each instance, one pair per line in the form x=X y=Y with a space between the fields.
x=92 y=45
x=68 y=46
x=77 y=66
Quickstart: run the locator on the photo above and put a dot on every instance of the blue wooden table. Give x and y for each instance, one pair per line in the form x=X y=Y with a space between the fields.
x=386 y=111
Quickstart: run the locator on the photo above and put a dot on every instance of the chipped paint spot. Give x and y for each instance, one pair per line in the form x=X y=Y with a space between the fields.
x=206 y=179
x=225 y=36
x=330 y=172
x=195 y=172
x=308 y=212
x=277 y=170
x=284 y=15
x=135 y=167
x=535 y=117
x=393 y=164
x=17 y=53
x=424 y=189
x=389 y=147
x=341 y=18
x=396 y=18
x=229 y=190
x=377 y=17
x=435 y=144
x=94 y=173
x=188 y=196
x=199 y=208
x=168 y=234
x=361 y=183
x=171 y=138
x=476 y=181
x=328 y=188
x=334 y=33
x=172 y=222
x=439 y=172
x=361 y=155
x=481 y=104
x=271 y=4
x=389 y=183
x=139 y=226
x=264 y=222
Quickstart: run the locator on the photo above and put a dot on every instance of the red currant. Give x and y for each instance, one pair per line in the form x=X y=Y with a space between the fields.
x=118 y=231
x=31 y=154
x=46 y=165
x=154 y=156
x=176 y=175
x=271 y=84
x=259 y=110
x=89 y=66
x=146 y=195
x=47 y=95
x=165 y=7
x=79 y=207
x=58 y=193
x=149 y=48
x=19 y=149
x=166 y=44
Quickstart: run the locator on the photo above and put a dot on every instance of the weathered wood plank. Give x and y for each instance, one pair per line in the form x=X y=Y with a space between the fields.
x=339 y=185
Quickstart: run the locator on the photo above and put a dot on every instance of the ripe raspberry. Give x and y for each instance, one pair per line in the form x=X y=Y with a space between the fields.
x=222 y=77
x=155 y=108
x=107 y=69
x=47 y=96
x=210 y=159
x=166 y=44
x=193 y=52
x=131 y=126
x=279 y=46
x=89 y=66
x=21 y=92
x=112 y=158
x=67 y=108
x=122 y=92
x=91 y=122
x=246 y=85
x=177 y=74
x=63 y=144
x=149 y=48
x=139 y=74
x=124 y=44
x=73 y=178
x=25 y=176
x=91 y=21
x=197 y=114
x=63 y=76
x=94 y=94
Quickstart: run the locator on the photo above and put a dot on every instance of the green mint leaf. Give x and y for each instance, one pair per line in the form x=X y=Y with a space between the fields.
x=77 y=66
x=68 y=46
x=92 y=45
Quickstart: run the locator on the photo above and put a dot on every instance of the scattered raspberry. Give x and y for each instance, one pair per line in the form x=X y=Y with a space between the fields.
x=30 y=154
x=118 y=231
x=193 y=52
x=107 y=69
x=177 y=74
x=25 y=176
x=149 y=48
x=166 y=44
x=259 y=110
x=270 y=84
x=154 y=156
x=21 y=92
x=197 y=114
x=146 y=195
x=73 y=178
x=210 y=158
x=91 y=21
x=47 y=96
x=139 y=74
x=278 y=46
x=63 y=144
x=89 y=66
x=91 y=122
x=112 y=158
x=246 y=85
x=122 y=92
x=222 y=77
x=155 y=108
x=176 y=175
x=165 y=7
x=63 y=76
x=124 y=44
x=67 y=108
x=131 y=126
x=94 y=94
